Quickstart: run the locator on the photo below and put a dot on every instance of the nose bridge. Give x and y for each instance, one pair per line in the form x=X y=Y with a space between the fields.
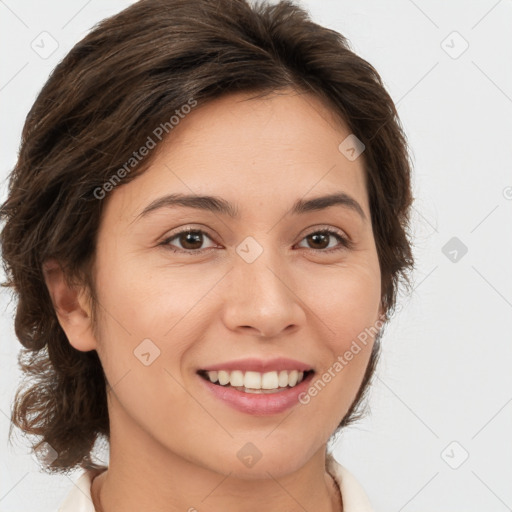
x=261 y=294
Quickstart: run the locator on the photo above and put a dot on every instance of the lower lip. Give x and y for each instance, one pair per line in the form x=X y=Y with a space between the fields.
x=259 y=403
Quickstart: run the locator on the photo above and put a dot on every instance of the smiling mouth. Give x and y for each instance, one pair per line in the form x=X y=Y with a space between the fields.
x=256 y=382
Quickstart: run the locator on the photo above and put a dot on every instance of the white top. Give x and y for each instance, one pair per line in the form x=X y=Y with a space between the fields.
x=353 y=496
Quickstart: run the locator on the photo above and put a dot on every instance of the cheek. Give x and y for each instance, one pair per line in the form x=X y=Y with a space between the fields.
x=347 y=306
x=140 y=298
x=347 y=302
x=144 y=311
x=351 y=313
x=140 y=361
x=357 y=311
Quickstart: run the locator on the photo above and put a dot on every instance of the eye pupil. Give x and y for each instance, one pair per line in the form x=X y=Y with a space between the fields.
x=316 y=238
x=188 y=238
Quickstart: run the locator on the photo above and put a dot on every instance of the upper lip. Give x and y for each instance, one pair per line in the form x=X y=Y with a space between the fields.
x=260 y=365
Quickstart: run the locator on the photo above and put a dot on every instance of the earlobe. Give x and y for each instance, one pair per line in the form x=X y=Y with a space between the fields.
x=72 y=311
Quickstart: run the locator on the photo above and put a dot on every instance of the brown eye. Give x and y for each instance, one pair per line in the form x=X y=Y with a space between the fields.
x=190 y=241
x=320 y=241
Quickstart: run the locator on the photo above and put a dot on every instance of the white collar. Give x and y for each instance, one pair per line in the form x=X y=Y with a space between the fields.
x=353 y=495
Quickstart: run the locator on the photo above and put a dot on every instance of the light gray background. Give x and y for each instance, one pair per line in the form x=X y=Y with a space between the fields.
x=444 y=389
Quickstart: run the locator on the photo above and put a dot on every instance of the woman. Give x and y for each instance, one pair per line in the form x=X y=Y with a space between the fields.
x=205 y=229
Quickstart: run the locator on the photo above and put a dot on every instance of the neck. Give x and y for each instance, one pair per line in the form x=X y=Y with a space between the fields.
x=106 y=498
x=144 y=474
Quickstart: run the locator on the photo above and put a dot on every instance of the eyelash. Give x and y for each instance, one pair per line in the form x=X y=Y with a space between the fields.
x=345 y=243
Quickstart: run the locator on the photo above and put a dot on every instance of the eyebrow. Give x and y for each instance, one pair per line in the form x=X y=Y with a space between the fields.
x=219 y=205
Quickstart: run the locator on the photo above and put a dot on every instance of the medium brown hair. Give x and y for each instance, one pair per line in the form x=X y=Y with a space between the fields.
x=125 y=78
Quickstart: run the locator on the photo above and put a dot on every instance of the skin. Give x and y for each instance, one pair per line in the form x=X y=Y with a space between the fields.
x=174 y=445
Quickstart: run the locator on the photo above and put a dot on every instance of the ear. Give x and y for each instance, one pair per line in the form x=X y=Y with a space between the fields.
x=71 y=307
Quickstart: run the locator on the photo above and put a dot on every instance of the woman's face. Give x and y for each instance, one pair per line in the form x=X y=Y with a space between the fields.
x=262 y=285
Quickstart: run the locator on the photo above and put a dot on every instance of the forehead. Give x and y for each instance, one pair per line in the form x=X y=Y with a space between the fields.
x=252 y=151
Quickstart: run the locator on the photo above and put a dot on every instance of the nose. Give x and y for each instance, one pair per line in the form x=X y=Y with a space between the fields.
x=261 y=299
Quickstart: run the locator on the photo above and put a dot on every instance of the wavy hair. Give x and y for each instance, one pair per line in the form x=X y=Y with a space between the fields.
x=130 y=73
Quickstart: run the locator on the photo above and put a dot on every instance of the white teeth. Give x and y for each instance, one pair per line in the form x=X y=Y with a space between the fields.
x=237 y=378
x=292 y=377
x=283 y=378
x=256 y=380
x=252 y=380
x=270 y=380
x=223 y=377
